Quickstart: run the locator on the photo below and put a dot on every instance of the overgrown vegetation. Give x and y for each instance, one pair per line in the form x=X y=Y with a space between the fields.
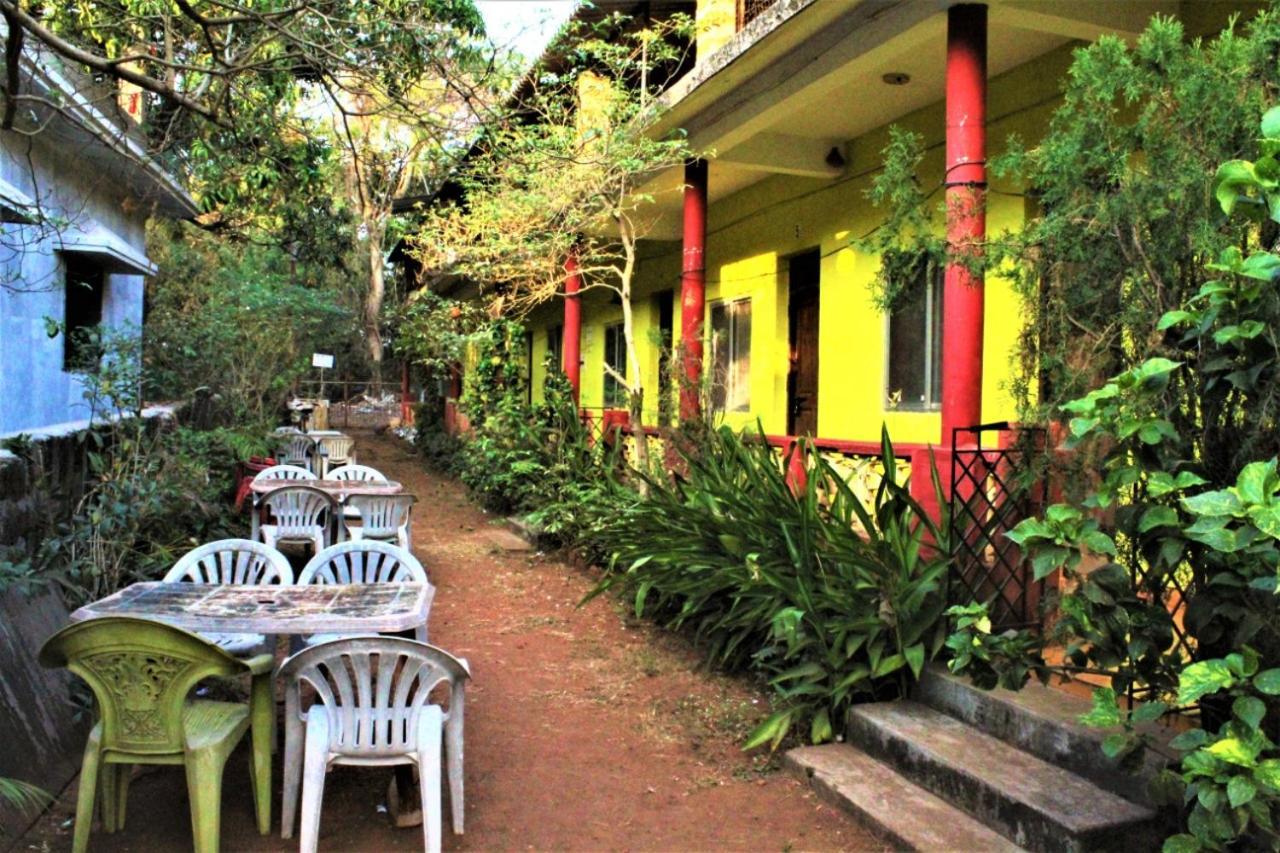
x=830 y=601
x=1186 y=497
x=153 y=488
x=242 y=320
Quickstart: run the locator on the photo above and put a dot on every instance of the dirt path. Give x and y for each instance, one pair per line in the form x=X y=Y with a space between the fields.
x=586 y=730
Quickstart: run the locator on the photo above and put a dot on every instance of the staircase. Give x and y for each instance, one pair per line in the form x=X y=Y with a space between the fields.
x=958 y=768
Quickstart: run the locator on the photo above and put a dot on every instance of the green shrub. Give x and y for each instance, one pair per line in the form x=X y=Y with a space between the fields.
x=829 y=600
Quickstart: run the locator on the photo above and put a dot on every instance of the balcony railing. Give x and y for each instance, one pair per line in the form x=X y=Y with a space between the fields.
x=749 y=10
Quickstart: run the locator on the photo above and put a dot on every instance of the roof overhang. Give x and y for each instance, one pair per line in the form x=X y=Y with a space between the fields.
x=88 y=121
x=788 y=92
x=108 y=250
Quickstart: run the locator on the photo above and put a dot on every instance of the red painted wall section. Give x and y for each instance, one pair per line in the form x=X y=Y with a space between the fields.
x=693 y=279
x=571 y=345
x=966 y=179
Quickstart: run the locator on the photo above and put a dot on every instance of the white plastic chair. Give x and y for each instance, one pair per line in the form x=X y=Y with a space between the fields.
x=357 y=473
x=299 y=514
x=275 y=472
x=373 y=709
x=333 y=451
x=382 y=517
x=366 y=561
x=233 y=561
x=287 y=430
x=297 y=449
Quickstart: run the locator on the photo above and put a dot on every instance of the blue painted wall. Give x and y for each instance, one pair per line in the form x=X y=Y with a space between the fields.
x=35 y=391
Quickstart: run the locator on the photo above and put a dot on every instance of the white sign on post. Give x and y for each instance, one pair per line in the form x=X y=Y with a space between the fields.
x=321 y=360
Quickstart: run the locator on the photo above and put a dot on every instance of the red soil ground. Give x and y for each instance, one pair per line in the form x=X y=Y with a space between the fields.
x=586 y=729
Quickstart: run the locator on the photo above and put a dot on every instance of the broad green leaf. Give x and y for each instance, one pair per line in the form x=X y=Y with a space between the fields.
x=1250 y=710
x=1202 y=678
x=1234 y=751
x=1268 y=682
x=1158 y=516
x=1181 y=843
x=1271 y=123
x=1256 y=482
x=1240 y=790
x=1215 y=504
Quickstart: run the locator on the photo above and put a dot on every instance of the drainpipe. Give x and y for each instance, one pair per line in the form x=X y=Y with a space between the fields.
x=693 y=279
x=966 y=182
x=571 y=340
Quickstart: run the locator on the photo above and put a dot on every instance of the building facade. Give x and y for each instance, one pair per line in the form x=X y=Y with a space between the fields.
x=795 y=99
x=76 y=189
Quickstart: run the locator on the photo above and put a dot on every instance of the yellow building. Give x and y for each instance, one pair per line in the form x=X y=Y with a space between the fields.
x=794 y=99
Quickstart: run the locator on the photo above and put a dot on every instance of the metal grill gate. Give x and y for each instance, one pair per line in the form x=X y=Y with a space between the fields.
x=992 y=489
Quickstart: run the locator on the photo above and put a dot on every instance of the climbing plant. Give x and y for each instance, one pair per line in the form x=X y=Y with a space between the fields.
x=1183 y=512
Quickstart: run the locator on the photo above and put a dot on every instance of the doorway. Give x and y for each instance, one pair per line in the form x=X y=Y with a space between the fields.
x=802 y=311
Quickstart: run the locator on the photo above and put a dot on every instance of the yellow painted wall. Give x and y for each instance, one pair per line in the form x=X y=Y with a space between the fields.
x=752 y=234
x=715 y=22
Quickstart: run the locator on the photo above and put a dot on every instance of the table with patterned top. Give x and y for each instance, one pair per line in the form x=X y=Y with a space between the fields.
x=313 y=609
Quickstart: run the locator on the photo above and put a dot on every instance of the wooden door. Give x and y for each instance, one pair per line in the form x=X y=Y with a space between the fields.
x=802 y=379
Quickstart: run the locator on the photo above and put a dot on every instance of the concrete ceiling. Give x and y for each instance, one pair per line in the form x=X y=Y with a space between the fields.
x=780 y=103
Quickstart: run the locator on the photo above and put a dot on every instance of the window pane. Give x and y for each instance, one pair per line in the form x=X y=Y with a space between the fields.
x=740 y=377
x=907 y=351
x=615 y=394
x=555 y=351
x=720 y=354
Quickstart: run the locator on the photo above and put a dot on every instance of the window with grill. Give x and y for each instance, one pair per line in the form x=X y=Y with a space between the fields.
x=914 y=370
x=731 y=355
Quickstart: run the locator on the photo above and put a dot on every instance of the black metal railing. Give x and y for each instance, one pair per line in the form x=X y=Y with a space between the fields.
x=992 y=490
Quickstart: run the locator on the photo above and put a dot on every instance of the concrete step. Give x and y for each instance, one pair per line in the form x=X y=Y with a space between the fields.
x=1044 y=722
x=1035 y=804
x=904 y=814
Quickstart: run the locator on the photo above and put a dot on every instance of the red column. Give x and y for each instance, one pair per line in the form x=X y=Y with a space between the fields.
x=966 y=181
x=693 y=279
x=571 y=340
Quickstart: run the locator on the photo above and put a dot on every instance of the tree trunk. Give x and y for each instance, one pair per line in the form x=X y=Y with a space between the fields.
x=373 y=307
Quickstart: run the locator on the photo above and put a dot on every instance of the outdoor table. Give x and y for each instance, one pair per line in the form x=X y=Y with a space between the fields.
x=339 y=490
x=367 y=608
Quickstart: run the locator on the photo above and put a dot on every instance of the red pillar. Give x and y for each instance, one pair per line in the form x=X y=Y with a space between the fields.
x=693 y=279
x=966 y=182
x=571 y=341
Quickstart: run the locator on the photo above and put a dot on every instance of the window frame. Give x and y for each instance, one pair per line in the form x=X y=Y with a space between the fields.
x=935 y=311
x=730 y=385
x=619 y=398
x=73 y=263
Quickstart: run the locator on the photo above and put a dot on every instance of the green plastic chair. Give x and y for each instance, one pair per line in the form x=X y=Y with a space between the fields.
x=141 y=673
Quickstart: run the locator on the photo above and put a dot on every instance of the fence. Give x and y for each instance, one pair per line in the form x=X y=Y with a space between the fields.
x=992 y=490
